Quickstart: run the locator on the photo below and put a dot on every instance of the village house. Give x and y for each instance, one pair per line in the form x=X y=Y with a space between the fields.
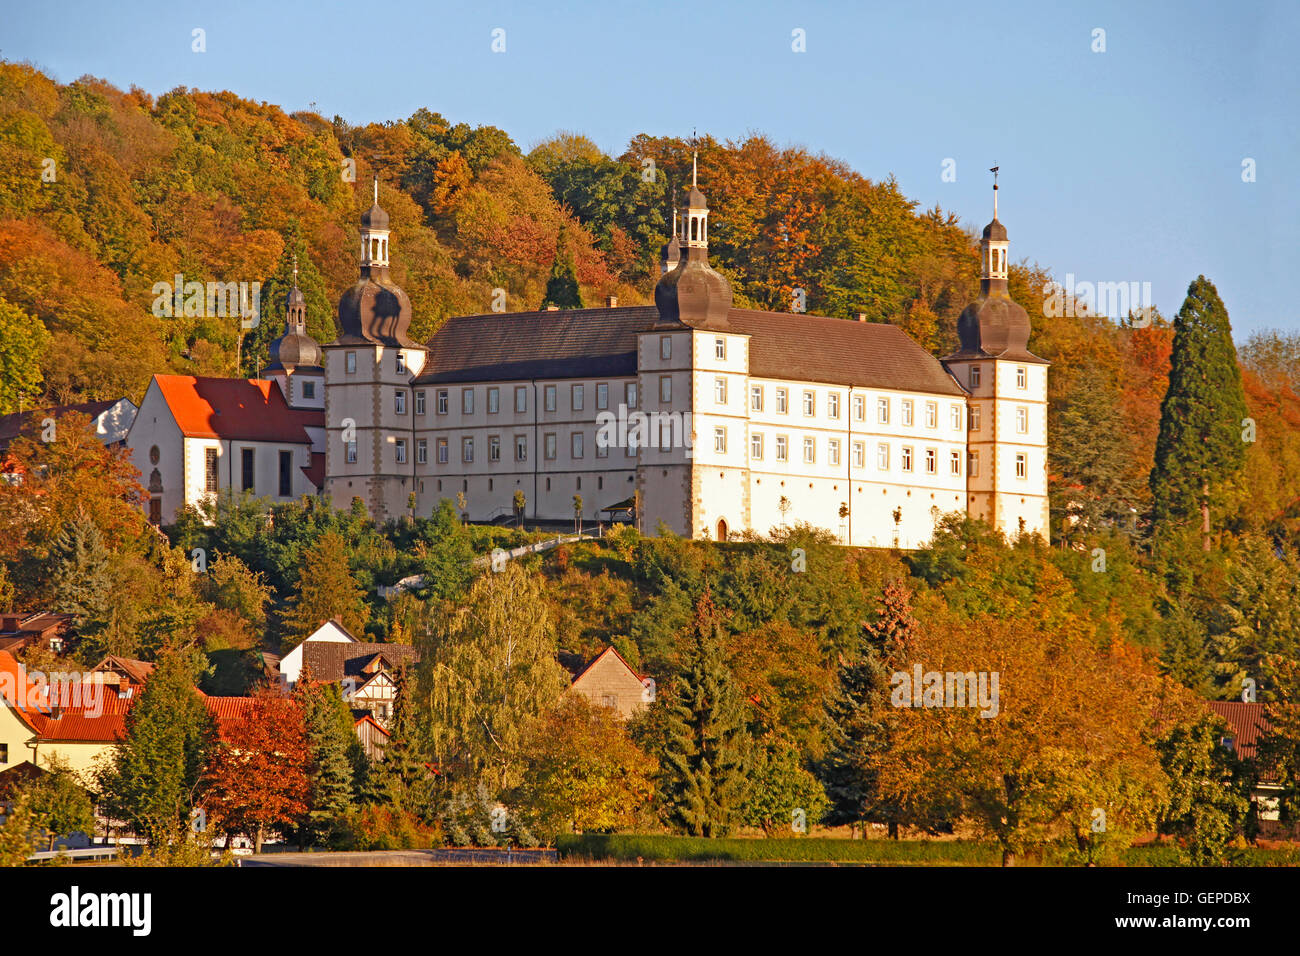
x=19 y=631
x=610 y=681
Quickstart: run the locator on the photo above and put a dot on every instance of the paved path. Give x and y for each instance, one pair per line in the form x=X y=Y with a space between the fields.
x=474 y=856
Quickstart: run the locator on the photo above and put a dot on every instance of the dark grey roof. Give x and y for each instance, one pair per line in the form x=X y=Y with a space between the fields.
x=374 y=311
x=995 y=230
x=995 y=326
x=374 y=218
x=332 y=662
x=594 y=343
x=693 y=294
x=12 y=425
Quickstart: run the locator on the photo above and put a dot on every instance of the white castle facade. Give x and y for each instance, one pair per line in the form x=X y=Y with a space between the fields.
x=716 y=419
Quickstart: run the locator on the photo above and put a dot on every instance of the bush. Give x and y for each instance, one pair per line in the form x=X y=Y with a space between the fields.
x=798 y=849
x=383 y=828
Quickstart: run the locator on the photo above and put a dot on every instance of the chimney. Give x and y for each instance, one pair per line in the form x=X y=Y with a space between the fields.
x=611 y=302
x=862 y=316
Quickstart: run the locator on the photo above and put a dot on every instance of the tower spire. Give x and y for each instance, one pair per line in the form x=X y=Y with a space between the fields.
x=377 y=189
x=994 y=171
x=695 y=155
x=295 y=270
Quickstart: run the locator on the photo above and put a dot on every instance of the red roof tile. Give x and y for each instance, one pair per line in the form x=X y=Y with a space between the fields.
x=235 y=409
x=1247 y=721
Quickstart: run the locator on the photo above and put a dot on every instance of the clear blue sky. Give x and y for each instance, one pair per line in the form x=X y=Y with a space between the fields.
x=1117 y=166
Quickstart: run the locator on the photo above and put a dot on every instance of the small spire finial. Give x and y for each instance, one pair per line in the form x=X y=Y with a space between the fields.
x=376 y=189
x=295 y=270
x=994 y=171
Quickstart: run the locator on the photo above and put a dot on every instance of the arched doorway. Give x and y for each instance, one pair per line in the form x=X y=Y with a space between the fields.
x=722 y=529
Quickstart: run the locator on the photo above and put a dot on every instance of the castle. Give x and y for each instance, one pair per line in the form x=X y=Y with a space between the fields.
x=714 y=419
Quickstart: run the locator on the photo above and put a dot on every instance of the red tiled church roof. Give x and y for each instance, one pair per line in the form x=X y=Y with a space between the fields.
x=235 y=409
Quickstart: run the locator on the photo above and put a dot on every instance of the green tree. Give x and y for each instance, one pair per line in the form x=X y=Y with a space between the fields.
x=23 y=340
x=1199 y=448
x=1208 y=800
x=326 y=589
x=447 y=561
x=81 y=582
x=399 y=778
x=707 y=747
x=783 y=796
x=155 y=771
x=59 y=804
x=484 y=678
x=860 y=717
x=562 y=284
x=328 y=722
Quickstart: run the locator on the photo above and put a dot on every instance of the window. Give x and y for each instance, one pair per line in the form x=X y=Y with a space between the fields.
x=521 y=448
x=931 y=415
x=442 y=401
x=720 y=440
x=400 y=359
x=422 y=451
x=954 y=462
x=859 y=407
x=756 y=446
x=720 y=348
x=548 y=398
x=756 y=398
x=602 y=396
x=833 y=451
x=973 y=419
x=308 y=389
x=956 y=417
x=210 y=470
x=907 y=458
x=602 y=449
x=1022 y=419
x=931 y=461
x=286 y=474
x=467 y=401
x=399 y=402
x=4 y=753
x=631 y=394
x=400 y=447
x=352 y=452
x=494 y=448
x=576 y=398
x=442 y=451
x=350 y=363
x=575 y=443
x=907 y=413
x=781 y=400
x=467 y=449
x=809 y=403
x=974 y=376
x=973 y=464
x=665 y=389
x=833 y=404
x=1022 y=466
x=494 y=400
x=247 y=469
x=419 y=402
x=782 y=453
x=665 y=347
x=550 y=446
x=521 y=398
x=720 y=391
x=1022 y=377
x=809 y=450
x=882 y=411
x=859 y=454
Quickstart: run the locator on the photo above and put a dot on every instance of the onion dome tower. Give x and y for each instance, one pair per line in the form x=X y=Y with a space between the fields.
x=375 y=309
x=693 y=294
x=296 y=357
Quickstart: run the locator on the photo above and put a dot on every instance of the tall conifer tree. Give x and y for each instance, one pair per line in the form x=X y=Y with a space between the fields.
x=708 y=746
x=1199 y=447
